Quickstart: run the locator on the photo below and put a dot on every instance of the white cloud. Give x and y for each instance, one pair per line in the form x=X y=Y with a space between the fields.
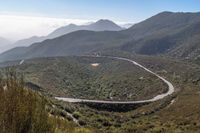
x=19 y=27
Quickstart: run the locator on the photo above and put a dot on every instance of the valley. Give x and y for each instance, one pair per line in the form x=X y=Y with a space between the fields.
x=101 y=78
x=159 y=115
x=75 y=77
x=182 y=74
x=158 y=97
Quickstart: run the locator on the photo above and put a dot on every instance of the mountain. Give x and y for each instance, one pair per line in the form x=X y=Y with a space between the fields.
x=163 y=23
x=4 y=44
x=168 y=33
x=174 y=34
x=101 y=25
x=29 y=41
x=75 y=43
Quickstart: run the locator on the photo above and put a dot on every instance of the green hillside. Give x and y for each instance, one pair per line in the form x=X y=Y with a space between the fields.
x=172 y=114
x=76 y=77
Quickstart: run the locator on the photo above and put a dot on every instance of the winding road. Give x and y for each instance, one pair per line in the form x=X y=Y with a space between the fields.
x=156 y=98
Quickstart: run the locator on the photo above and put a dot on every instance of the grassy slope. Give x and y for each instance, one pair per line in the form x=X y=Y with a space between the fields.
x=75 y=77
x=180 y=116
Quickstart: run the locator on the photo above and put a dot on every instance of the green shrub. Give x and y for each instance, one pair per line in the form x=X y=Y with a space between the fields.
x=21 y=110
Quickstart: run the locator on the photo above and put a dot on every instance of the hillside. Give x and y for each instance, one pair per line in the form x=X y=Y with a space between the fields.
x=76 y=77
x=168 y=115
x=172 y=34
x=178 y=37
x=25 y=110
x=29 y=41
x=76 y=43
x=162 y=24
x=101 y=25
x=172 y=114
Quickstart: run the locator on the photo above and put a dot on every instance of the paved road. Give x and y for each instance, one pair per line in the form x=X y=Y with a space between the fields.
x=156 y=98
x=21 y=62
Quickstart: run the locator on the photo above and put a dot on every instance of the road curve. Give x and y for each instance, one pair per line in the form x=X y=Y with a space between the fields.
x=156 y=98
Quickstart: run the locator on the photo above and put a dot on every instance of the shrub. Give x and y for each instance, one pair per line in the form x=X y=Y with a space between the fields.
x=21 y=110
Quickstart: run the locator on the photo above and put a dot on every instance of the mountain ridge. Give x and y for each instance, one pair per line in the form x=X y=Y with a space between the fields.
x=163 y=34
x=100 y=25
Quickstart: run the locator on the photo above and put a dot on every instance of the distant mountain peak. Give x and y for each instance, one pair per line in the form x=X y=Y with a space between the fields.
x=105 y=25
x=105 y=21
x=100 y=25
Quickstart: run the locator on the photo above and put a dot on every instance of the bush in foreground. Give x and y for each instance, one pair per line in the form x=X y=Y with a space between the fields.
x=21 y=110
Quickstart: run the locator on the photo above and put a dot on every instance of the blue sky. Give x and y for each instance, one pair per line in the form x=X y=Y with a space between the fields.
x=25 y=18
x=118 y=10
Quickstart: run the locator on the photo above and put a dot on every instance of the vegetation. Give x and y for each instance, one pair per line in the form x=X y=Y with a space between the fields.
x=76 y=77
x=21 y=110
x=24 y=111
x=177 y=113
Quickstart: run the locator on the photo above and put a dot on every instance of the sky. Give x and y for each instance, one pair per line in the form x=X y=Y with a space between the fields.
x=25 y=18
